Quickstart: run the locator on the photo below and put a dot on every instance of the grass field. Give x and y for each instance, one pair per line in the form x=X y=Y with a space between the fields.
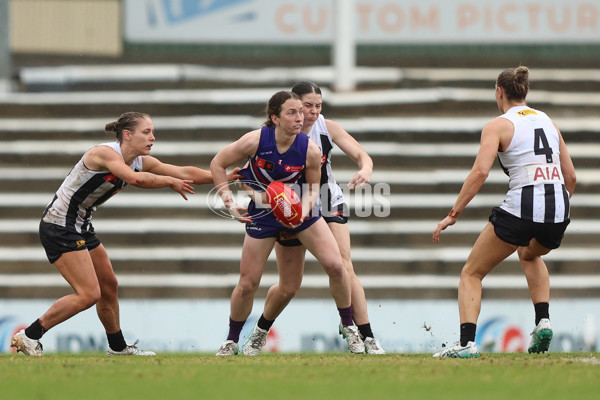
x=300 y=376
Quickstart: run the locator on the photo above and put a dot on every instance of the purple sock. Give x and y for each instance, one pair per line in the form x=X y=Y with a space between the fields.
x=235 y=328
x=346 y=316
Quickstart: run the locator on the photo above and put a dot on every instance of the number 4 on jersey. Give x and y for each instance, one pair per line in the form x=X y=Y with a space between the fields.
x=540 y=145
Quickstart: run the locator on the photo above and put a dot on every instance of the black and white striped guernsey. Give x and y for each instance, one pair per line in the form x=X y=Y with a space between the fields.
x=532 y=161
x=320 y=135
x=82 y=191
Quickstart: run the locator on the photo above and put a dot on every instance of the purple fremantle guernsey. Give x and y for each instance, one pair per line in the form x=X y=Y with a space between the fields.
x=267 y=166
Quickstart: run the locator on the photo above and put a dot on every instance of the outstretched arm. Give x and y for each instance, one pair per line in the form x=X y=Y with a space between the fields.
x=490 y=143
x=354 y=150
x=566 y=165
x=103 y=158
x=197 y=175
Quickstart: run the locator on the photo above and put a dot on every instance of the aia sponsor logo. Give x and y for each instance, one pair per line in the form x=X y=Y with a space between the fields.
x=547 y=174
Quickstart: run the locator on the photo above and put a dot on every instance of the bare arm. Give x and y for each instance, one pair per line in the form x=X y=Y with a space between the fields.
x=198 y=176
x=566 y=165
x=231 y=154
x=103 y=158
x=354 y=150
x=312 y=175
x=491 y=136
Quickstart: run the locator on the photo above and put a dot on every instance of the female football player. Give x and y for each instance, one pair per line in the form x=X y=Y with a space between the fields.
x=531 y=220
x=279 y=152
x=71 y=244
x=290 y=252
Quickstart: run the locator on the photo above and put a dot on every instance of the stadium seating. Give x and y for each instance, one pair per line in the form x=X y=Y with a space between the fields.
x=421 y=126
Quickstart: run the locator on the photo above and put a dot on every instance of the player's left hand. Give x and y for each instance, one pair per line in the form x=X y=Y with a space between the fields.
x=361 y=178
x=443 y=224
x=233 y=175
x=292 y=226
x=182 y=186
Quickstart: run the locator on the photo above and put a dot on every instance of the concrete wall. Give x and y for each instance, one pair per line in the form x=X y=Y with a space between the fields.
x=79 y=27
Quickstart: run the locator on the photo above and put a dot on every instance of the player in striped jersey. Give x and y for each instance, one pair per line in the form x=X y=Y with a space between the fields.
x=67 y=234
x=533 y=217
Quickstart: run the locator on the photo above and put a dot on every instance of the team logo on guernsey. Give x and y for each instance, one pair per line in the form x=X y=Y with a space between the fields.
x=524 y=113
x=264 y=164
x=293 y=168
x=323 y=159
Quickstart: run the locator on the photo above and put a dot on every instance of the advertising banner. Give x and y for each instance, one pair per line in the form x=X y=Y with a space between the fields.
x=308 y=325
x=375 y=21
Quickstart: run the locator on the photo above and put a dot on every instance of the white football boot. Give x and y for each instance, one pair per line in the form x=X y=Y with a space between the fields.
x=25 y=345
x=458 y=351
x=355 y=343
x=130 y=350
x=255 y=341
x=228 y=348
x=541 y=337
x=372 y=346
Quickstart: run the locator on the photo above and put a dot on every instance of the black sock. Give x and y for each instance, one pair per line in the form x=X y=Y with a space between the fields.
x=264 y=323
x=35 y=331
x=542 y=310
x=116 y=341
x=467 y=333
x=365 y=330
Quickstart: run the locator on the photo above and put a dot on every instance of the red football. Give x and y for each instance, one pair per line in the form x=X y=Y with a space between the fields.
x=284 y=202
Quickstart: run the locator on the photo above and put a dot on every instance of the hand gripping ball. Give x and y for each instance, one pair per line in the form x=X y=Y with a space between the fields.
x=284 y=202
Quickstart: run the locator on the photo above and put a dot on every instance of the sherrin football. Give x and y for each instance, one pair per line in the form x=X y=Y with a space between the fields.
x=284 y=202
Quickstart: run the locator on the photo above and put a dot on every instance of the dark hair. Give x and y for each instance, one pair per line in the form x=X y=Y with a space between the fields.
x=127 y=121
x=306 y=87
x=275 y=103
x=515 y=82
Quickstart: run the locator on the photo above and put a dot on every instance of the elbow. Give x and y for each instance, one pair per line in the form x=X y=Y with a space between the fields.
x=214 y=165
x=570 y=181
x=480 y=175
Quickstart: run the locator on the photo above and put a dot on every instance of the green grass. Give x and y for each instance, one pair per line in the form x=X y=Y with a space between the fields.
x=300 y=376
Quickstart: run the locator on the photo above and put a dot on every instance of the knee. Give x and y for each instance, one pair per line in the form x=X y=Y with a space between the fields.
x=109 y=287
x=247 y=287
x=90 y=297
x=525 y=255
x=335 y=269
x=470 y=273
x=288 y=291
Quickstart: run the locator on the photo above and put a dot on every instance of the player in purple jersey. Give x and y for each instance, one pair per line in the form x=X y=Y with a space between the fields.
x=68 y=237
x=290 y=252
x=531 y=220
x=269 y=151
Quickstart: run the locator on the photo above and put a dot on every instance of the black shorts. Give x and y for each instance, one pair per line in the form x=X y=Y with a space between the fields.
x=58 y=240
x=519 y=232
x=338 y=216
